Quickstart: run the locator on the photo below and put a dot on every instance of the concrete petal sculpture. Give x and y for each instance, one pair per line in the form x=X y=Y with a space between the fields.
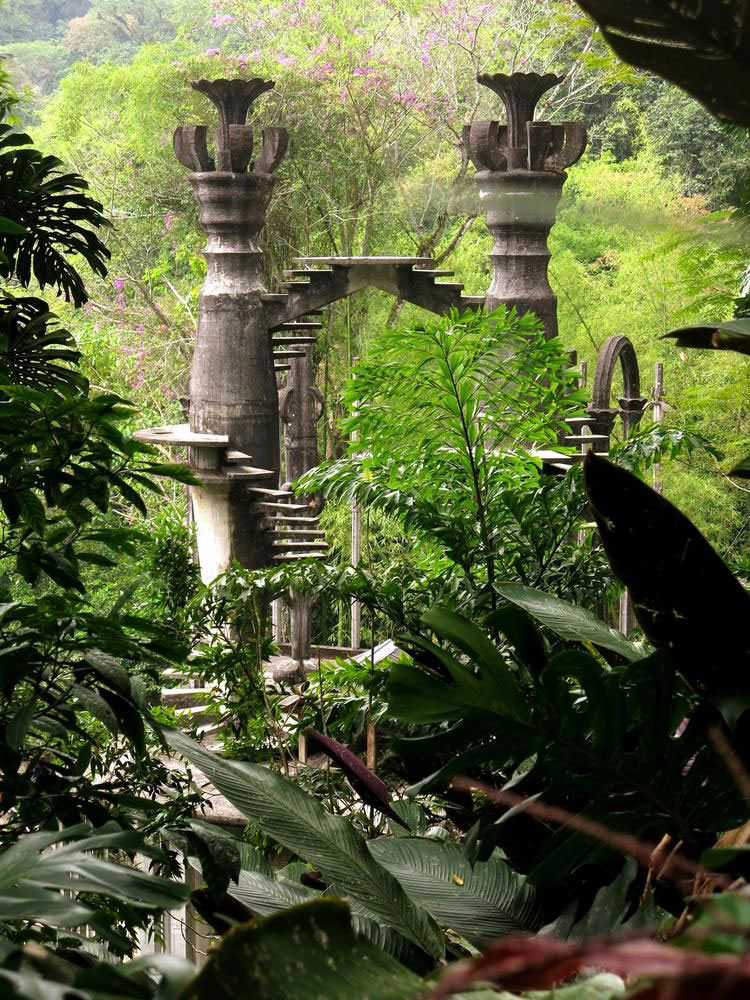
x=520 y=173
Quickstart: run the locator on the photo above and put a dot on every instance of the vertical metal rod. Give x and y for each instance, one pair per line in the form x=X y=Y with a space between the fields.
x=356 y=607
x=355 y=639
x=658 y=419
x=276 y=620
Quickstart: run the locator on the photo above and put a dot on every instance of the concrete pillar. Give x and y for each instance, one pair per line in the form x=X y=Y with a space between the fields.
x=520 y=175
x=301 y=406
x=232 y=379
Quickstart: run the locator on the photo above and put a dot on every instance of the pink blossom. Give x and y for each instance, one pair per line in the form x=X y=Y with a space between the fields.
x=220 y=20
x=119 y=284
x=212 y=52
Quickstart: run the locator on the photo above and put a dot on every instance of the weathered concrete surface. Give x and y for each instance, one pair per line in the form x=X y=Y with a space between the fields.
x=232 y=380
x=520 y=175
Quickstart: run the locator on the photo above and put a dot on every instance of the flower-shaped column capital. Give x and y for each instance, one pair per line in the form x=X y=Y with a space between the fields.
x=520 y=93
x=233 y=98
x=523 y=144
x=234 y=141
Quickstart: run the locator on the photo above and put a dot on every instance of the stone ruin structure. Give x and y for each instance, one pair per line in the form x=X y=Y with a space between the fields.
x=252 y=365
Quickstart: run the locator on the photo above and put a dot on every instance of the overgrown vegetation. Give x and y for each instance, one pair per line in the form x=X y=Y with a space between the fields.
x=549 y=804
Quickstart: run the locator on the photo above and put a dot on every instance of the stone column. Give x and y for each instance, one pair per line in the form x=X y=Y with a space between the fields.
x=520 y=174
x=301 y=406
x=232 y=380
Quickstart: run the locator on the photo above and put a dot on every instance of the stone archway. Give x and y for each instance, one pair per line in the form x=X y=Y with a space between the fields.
x=617 y=349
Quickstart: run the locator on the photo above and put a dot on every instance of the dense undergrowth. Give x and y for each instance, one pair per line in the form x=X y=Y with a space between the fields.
x=548 y=798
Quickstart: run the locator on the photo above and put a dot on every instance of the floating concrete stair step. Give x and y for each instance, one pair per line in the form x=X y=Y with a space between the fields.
x=295 y=272
x=548 y=455
x=176 y=674
x=433 y=274
x=237 y=456
x=458 y=285
x=556 y=460
x=293 y=543
x=246 y=472
x=289 y=354
x=294 y=285
x=284 y=557
x=267 y=505
x=293 y=532
x=574 y=439
x=265 y=491
x=186 y=697
x=281 y=520
x=274 y=297
x=195 y=713
x=176 y=435
x=579 y=421
x=366 y=261
x=472 y=300
x=301 y=327
x=281 y=368
x=294 y=342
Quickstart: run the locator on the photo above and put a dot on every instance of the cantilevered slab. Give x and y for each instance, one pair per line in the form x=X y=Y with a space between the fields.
x=247 y=472
x=411 y=279
x=364 y=261
x=177 y=435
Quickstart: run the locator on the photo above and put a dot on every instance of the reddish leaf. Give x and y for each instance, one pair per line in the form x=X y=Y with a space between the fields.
x=367 y=785
x=529 y=963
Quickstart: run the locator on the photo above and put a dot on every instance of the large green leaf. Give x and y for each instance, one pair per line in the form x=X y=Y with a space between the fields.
x=702 y=47
x=684 y=595
x=32 y=875
x=36 y=974
x=264 y=893
x=499 y=682
x=568 y=620
x=730 y=336
x=309 y=952
x=299 y=822
x=481 y=901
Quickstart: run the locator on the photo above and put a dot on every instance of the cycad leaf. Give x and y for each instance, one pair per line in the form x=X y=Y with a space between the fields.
x=299 y=822
x=569 y=621
x=481 y=902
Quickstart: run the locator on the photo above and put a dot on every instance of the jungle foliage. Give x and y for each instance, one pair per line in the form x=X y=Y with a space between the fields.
x=531 y=746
